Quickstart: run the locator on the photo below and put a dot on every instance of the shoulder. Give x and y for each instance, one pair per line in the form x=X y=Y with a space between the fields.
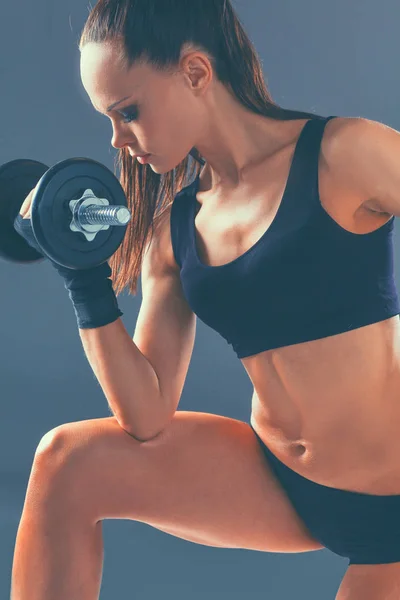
x=334 y=145
x=345 y=148
x=159 y=248
x=337 y=134
x=334 y=148
x=339 y=148
x=341 y=193
x=363 y=153
x=159 y=245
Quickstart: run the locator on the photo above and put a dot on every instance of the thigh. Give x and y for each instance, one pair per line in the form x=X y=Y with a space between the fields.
x=370 y=582
x=203 y=479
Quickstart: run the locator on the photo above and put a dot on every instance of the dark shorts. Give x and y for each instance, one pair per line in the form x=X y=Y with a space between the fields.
x=361 y=527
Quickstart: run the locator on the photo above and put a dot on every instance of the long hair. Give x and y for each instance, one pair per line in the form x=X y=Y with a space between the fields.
x=156 y=32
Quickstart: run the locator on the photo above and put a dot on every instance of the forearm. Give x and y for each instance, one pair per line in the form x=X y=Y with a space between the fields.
x=128 y=380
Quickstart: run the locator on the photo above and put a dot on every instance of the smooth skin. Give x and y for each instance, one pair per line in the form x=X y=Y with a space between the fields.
x=204 y=478
x=176 y=112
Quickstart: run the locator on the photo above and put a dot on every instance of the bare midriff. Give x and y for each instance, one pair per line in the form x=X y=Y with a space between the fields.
x=329 y=408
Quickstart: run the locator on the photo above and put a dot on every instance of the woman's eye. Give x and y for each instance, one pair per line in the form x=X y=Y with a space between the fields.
x=129 y=115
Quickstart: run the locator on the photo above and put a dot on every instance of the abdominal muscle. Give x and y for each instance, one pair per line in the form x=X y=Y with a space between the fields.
x=330 y=409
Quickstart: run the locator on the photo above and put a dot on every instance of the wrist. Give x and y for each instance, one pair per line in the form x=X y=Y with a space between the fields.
x=92 y=295
x=92 y=313
x=90 y=290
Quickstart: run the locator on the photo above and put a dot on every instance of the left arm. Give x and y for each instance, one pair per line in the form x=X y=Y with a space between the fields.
x=366 y=157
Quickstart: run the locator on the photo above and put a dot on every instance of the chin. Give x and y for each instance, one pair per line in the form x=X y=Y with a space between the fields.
x=157 y=169
x=163 y=169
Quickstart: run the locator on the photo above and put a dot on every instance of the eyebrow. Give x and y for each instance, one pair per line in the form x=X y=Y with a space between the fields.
x=110 y=108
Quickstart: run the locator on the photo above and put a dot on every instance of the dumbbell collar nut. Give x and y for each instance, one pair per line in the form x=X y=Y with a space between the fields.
x=89 y=199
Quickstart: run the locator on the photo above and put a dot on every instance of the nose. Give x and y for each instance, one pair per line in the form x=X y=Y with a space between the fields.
x=120 y=139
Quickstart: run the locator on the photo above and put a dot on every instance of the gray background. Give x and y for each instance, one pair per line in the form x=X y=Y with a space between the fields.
x=338 y=58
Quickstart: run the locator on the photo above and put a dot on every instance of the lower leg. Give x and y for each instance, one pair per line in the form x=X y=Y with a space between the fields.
x=57 y=556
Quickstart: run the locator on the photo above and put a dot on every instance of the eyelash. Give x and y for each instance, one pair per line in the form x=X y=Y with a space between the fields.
x=129 y=115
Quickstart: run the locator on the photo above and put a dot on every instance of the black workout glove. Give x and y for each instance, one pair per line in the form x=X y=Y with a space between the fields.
x=90 y=290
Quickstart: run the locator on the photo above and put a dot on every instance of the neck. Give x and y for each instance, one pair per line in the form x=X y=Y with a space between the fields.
x=232 y=159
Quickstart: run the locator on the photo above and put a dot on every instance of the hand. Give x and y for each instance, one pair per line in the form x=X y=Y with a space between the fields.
x=25 y=210
x=90 y=290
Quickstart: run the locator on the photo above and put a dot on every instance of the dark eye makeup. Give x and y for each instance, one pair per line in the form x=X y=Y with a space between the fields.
x=129 y=114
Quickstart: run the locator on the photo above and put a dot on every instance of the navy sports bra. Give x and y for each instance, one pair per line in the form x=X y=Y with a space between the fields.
x=306 y=278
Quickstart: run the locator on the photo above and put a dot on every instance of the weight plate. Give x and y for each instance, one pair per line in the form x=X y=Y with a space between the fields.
x=51 y=214
x=17 y=179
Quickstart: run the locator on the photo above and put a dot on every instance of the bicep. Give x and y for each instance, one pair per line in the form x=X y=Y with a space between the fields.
x=166 y=326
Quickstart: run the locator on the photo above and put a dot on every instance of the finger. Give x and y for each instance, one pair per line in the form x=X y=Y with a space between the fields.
x=25 y=210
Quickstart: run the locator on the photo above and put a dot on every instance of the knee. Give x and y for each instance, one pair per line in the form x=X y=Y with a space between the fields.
x=57 y=479
x=49 y=442
x=58 y=450
x=62 y=465
x=76 y=446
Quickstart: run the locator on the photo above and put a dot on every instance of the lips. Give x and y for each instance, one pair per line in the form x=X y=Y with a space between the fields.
x=143 y=160
x=136 y=154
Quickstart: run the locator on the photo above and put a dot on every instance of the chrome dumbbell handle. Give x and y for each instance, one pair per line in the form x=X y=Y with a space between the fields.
x=95 y=215
x=91 y=214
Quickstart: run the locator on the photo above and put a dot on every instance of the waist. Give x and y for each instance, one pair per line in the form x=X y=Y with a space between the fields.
x=300 y=327
x=345 y=459
x=331 y=411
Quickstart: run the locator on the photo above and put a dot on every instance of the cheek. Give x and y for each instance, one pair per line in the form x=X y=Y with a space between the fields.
x=163 y=134
x=182 y=125
x=170 y=129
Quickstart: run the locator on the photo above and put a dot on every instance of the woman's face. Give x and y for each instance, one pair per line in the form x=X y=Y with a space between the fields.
x=150 y=112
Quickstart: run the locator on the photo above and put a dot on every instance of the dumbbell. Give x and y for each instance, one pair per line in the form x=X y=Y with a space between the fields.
x=79 y=212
